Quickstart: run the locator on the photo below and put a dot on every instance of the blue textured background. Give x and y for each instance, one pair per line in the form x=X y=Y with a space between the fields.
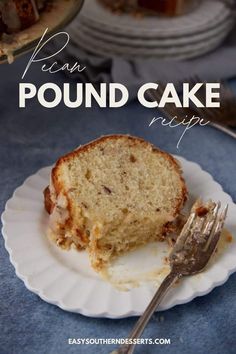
x=35 y=137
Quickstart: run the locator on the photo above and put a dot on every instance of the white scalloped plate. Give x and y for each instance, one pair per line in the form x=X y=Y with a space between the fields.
x=102 y=46
x=78 y=29
x=206 y=16
x=66 y=279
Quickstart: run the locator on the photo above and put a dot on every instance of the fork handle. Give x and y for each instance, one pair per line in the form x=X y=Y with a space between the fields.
x=138 y=329
x=224 y=129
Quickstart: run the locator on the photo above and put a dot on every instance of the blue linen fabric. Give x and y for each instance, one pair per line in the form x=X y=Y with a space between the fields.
x=35 y=137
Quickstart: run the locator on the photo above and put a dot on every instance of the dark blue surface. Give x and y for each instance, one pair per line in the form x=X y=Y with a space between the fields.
x=35 y=137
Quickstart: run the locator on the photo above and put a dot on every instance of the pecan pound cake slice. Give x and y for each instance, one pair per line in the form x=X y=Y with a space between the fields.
x=113 y=195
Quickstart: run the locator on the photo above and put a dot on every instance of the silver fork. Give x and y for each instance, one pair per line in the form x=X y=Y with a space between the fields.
x=190 y=255
x=222 y=116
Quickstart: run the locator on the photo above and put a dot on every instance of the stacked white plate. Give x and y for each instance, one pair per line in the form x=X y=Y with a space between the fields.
x=100 y=31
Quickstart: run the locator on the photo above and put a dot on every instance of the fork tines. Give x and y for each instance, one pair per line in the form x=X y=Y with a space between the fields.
x=203 y=226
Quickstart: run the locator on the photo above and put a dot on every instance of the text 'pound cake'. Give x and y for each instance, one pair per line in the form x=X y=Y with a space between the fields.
x=113 y=195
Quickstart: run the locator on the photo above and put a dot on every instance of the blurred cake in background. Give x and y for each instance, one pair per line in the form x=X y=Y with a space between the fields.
x=148 y=7
x=16 y=15
x=201 y=27
x=24 y=21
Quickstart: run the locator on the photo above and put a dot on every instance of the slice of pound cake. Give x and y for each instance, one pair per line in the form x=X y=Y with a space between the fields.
x=113 y=195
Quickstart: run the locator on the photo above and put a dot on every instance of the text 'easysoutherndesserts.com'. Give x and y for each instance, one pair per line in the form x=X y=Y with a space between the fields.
x=118 y=341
